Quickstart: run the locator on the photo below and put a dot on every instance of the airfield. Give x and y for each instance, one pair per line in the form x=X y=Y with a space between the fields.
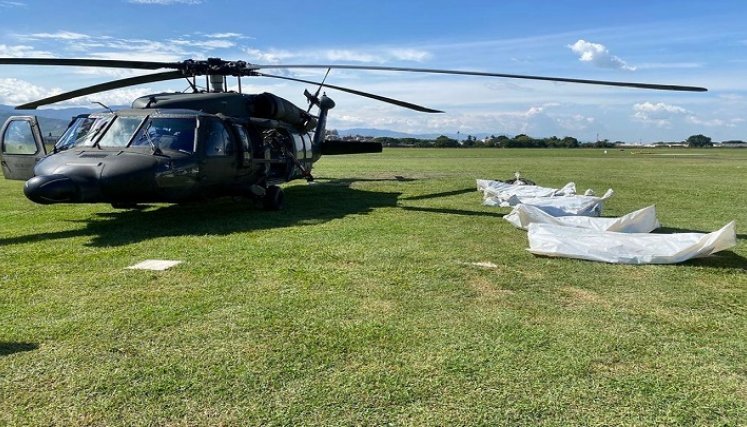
x=383 y=293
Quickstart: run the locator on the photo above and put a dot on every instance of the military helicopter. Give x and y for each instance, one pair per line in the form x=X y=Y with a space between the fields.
x=178 y=147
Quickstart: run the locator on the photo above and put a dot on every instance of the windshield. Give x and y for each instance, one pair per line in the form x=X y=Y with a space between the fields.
x=120 y=132
x=82 y=132
x=172 y=133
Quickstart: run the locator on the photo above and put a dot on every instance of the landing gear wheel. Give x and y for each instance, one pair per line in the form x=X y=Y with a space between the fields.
x=274 y=199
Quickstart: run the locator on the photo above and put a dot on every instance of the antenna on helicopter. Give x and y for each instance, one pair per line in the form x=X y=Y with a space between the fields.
x=106 y=107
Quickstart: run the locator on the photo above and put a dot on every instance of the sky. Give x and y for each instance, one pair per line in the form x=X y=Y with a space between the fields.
x=698 y=43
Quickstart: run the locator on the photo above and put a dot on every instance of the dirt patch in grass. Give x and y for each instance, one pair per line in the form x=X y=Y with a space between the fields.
x=578 y=296
x=378 y=307
x=486 y=290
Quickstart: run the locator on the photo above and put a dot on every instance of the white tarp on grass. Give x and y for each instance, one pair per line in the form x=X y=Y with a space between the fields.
x=556 y=202
x=626 y=248
x=641 y=221
x=154 y=264
x=566 y=205
x=498 y=193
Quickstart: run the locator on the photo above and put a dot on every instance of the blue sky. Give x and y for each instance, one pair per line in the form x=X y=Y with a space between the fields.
x=678 y=42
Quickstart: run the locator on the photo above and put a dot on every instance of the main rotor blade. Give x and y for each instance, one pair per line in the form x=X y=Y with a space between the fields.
x=111 y=63
x=484 y=74
x=238 y=68
x=359 y=93
x=115 y=84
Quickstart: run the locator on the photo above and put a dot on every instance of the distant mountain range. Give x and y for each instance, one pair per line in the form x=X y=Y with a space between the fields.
x=378 y=133
x=51 y=121
x=55 y=121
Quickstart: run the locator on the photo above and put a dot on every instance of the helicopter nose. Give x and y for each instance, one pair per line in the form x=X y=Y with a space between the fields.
x=47 y=189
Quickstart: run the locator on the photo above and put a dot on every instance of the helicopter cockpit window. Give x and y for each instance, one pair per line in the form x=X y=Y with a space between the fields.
x=82 y=132
x=167 y=133
x=120 y=132
x=218 y=141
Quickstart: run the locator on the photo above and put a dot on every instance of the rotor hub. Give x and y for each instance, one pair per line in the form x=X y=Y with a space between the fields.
x=215 y=66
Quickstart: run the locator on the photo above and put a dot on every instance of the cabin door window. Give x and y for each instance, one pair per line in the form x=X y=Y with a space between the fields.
x=21 y=146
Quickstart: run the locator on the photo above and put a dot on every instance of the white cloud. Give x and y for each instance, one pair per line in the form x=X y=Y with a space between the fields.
x=366 y=55
x=224 y=35
x=665 y=120
x=139 y=55
x=716 y=122
x=113 y=97
x=349 y=55
x=373 y=55
x=410 y=55
x=598 y=55
x=215 y=44
x=60 y=35
x=537 y=120
x=204 y=44
x=272 y=56
x=114 y=73
x=22 y=51
x=576 y=122
x=9 y=4
x=731 y=97
x=669 y=65
x=668 y=116
x=658 y=114
x=659 y=107
x=15 y=92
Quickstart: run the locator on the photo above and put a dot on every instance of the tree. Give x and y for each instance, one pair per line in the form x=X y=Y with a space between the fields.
x=524 y=141
x=552 y=142
x=501 y=141
x=445 y=142
x=605 y=143
x=387 y=141
x=469 y=142
x=570 y=142
x=699 y=141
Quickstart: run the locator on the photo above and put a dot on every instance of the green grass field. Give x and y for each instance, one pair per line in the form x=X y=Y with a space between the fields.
x=360 y=303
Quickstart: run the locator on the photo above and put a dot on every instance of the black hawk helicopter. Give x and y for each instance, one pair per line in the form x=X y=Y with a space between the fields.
x=177 y=147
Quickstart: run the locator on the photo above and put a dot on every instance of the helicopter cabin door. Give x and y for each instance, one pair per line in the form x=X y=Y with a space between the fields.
x=218 y=167
x=21 y=146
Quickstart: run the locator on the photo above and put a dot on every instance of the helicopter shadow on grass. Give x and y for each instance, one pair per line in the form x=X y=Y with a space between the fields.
x=351 y=180
x=8 y=348
x=397 y=178
x=305 y=205
x=447 y=211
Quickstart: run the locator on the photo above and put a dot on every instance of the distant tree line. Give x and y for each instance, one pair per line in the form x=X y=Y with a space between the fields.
x=520 y=141
x=501 y=141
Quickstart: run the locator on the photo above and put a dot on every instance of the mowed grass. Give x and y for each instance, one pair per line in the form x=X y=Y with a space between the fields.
x=361 y=303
